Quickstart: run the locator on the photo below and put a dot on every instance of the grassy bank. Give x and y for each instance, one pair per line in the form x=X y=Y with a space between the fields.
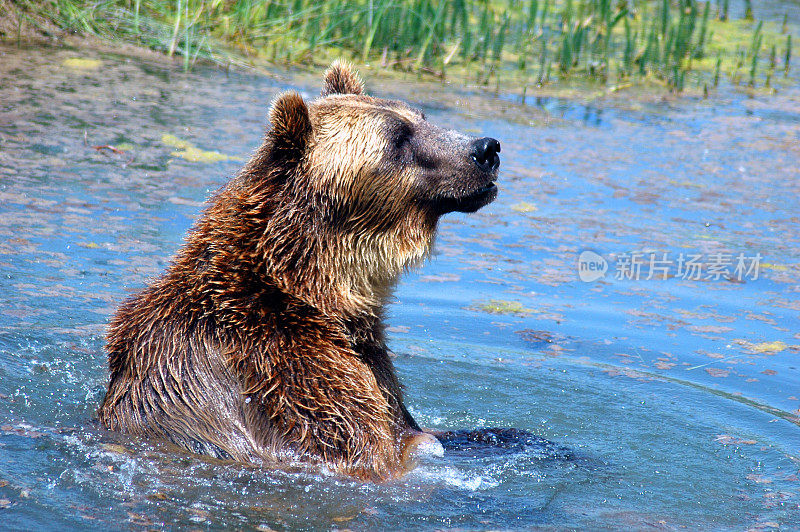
x=615 y=43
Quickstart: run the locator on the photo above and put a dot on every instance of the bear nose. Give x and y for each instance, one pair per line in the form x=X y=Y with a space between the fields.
x=484 y=153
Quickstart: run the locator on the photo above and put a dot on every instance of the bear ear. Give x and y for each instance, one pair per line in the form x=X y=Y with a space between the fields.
x=340 y=78
x=291 y=124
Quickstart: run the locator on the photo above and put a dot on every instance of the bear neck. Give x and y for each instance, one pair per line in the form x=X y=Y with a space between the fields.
x=343 y=273
x=363 y=268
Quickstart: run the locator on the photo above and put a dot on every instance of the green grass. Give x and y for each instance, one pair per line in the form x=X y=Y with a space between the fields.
x=534 y=42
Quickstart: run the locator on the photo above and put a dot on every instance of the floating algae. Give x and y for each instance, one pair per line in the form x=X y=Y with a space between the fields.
x=499 y=306
x=82 y=63
x=767 y=348
x=524 y=207
x=192 y=153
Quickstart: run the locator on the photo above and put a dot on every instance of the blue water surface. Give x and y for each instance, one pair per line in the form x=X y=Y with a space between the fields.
x=678 y=398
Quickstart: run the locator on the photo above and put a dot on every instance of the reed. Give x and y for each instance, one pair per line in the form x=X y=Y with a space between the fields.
x=755 y=48
x=663 y=40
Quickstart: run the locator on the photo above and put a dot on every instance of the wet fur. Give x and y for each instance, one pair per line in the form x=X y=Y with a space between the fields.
x=263 y=342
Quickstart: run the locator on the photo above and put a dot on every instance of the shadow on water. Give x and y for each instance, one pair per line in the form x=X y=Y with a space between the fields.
x=638 y=403
x=493 y=441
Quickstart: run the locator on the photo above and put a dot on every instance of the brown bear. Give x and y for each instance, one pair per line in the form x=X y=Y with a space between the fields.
x=263 y=342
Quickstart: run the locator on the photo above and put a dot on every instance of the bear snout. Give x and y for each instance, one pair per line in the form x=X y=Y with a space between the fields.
x=485 y=154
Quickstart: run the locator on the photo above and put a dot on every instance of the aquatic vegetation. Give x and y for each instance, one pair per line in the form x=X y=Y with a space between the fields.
x=499 y=306
x=532 y=42
x=524 y=207
x=767 y=348
x=191 y=153
x=776 y=267
x=82 y=63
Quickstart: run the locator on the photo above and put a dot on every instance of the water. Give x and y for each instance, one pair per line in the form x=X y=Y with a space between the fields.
x=677 y=399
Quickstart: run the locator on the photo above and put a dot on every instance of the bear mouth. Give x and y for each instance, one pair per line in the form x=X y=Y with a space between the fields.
x=470 y=202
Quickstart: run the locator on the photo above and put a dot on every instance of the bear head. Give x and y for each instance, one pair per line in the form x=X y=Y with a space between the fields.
x=375 y=158
x=372 y=175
